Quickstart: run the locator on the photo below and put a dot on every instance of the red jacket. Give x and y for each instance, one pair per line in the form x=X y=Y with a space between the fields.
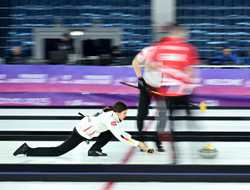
x=175 y=53
x=175 y=56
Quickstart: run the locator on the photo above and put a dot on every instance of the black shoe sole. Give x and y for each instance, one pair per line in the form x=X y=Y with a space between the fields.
x=21 y=150
x=96 y=153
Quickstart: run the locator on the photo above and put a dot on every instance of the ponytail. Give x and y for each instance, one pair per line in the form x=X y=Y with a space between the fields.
x=108 y=108
x=117 y=107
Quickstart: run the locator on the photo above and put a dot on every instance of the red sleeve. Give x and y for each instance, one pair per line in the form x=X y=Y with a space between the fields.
x=193 y=56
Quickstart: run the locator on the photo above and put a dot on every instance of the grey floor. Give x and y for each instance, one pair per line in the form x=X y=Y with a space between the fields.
x=228 y=152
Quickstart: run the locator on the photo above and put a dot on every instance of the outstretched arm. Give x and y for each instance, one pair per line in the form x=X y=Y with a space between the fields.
x=126 y=138
x=122 y=136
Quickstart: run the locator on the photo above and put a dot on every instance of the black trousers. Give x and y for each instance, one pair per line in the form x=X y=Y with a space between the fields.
x=175 y=103
x=172 y=105
x=143 y=109
x=74 y=140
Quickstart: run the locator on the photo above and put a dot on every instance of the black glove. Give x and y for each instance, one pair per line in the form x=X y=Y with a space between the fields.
x=142 y=83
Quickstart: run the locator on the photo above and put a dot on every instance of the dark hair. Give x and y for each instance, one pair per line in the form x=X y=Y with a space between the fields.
x=117 y=107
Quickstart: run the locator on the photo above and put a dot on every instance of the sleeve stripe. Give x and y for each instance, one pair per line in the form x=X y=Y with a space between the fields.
x=87 y=129
x=125 y=138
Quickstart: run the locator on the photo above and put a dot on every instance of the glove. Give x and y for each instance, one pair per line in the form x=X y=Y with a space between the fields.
x=144 y=148
x=142 y=83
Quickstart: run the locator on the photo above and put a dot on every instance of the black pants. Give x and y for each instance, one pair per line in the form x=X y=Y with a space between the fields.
x=173 y=104
x=143 y=109
x=74 y=140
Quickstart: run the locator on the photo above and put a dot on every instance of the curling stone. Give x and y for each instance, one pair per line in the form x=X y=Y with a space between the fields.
x=208 y=151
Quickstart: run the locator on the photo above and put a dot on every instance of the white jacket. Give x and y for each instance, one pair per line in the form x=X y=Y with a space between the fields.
x=93 y=126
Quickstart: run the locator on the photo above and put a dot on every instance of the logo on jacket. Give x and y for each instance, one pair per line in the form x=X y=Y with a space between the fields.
x=114 y=123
